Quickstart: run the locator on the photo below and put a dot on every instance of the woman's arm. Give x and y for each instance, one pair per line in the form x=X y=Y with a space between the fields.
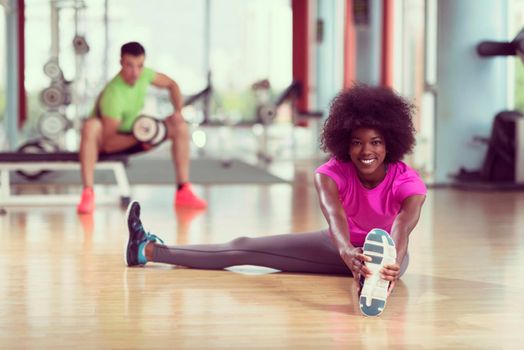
x=336 y=218
x=404 y=223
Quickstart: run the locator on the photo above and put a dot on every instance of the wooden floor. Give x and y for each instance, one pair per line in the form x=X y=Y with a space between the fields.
x=63 y=283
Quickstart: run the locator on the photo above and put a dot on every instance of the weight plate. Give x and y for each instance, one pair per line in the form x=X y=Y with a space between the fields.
x=145 y=129
x=52 y=97
x=52 y=69
x=52 y=124
x=161 y=134
x=80 y=45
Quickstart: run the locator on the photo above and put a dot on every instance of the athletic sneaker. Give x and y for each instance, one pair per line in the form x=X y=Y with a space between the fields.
x=186 y=198
x=381 y=249
x=87 y=202
x=138 y=237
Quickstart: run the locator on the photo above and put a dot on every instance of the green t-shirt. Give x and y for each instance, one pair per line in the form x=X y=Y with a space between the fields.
x=124 y=102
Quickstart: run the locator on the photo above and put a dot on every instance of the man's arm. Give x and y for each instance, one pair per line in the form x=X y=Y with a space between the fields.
x=164 y=82
x=112 y=140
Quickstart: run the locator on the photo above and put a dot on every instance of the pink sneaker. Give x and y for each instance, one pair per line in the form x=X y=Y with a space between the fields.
x=87 y=202
x=186 y=198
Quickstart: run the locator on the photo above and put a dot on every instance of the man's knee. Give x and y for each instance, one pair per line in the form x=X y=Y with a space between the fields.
x=177 y=126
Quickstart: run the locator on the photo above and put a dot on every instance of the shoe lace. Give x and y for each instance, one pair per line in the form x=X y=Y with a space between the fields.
x=153 y=237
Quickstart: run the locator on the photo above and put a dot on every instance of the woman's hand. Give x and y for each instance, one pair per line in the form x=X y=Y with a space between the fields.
x=390 y=273
x=355 y=260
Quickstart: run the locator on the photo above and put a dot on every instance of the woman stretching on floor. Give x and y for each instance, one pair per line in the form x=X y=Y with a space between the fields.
x=371 y=201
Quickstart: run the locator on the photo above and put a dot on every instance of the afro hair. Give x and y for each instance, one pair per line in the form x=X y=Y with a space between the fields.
x=378 y=108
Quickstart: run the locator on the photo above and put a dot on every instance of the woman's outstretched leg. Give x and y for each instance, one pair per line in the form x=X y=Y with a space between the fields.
x=296 y=252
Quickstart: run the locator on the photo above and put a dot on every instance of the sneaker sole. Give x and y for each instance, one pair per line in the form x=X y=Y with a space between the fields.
x=128 y=211
x=380 y=247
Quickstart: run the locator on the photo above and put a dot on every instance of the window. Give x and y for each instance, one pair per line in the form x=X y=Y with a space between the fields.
x=418 y=69
x=250 y=41
x=171 y=32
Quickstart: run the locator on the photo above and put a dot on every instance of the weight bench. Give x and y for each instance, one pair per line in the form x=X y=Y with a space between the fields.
x=13 y=161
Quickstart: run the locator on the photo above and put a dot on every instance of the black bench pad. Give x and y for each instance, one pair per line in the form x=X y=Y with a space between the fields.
x=15 y=157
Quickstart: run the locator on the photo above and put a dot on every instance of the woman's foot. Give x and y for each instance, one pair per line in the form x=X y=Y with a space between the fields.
x=374 y=290
x=138 y=237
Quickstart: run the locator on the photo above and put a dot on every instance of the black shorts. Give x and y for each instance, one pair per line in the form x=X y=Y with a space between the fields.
x=138 y=147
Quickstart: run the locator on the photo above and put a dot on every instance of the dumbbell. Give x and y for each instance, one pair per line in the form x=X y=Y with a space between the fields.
x=150 y=130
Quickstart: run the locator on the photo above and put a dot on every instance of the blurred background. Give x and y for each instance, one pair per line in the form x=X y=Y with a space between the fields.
x=424 y=49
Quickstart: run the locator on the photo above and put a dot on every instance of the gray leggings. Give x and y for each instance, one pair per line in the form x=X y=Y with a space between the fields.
x=312 y=252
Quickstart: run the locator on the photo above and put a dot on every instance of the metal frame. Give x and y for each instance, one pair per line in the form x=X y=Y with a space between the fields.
x=8 y=198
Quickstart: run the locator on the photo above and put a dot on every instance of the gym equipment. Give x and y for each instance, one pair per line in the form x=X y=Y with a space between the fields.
x=52 y=124
x=79 y=41
x=52 y=97
x=205 y=92
x=266 y=112
x=499 y=164
x=502 y=48
x=52 y=69
x=80 y=45
x=203 y=99
x=149 y=130
x=57 y=94
x=503 y=158
x=36 y=147
x=503 y=166
x=30 y=162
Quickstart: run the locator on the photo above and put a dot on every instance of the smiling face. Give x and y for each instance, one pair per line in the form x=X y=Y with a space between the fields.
x=367 y=150
x=132 y=67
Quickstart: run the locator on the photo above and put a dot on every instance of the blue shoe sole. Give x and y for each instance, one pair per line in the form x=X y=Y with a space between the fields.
x=381 y=249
